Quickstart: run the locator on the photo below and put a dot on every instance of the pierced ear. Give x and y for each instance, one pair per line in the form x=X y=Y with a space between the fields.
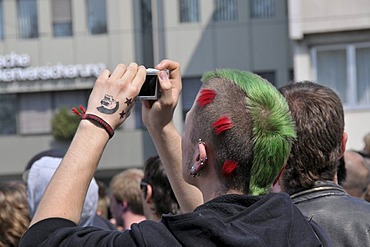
x=201 y=154
x=202 y=150
x=149 y=193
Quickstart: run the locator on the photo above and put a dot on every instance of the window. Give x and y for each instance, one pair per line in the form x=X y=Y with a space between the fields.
x=1 y=21
x=62 y=18
x=226 y=10
x=8 y=116
x=190 y=88
x=97 y=16
x=268 y=75
x=262 y=8
x=189 y=10
x=346 y=69
x=37 y=109
x=35 y=113
x=27 y=19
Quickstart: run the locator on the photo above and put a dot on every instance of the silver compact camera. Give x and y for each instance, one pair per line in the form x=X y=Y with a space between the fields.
x=150 y=88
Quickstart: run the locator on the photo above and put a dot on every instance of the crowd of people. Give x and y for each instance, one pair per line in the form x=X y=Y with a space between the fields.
x=255 y=166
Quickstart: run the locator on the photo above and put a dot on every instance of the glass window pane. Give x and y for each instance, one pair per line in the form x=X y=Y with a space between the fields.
x=62 y=18
x=363 y=75
x=70 y=99
x=190 y=88
x=262 y=8
x=332 y=71
x=35 y=113
x=1 y=20
x=226 y=10
x=8 y=108
x=62 y=29
x=27 y=19
x=268 y=75
x=189 y=10
x=97 y=16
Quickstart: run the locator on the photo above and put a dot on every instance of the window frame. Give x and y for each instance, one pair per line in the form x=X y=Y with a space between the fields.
x=189 y=21
x=33 y=34
x=88 y=15
x=350 y=49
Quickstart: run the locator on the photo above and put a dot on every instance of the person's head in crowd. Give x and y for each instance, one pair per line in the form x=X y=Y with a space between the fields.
x=14 y=216
x=341 y=171
x=104 y=200
x=158 y=197
x=126 y=200
x=357 y=175
x=37 y=176
x=367 y=144
x=321 y=140
x=239 y=130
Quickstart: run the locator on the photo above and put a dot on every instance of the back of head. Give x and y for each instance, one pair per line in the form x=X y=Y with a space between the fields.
x=357 y=175
x=319 y=118
x=162 y=193
x=367 y=144
x=248 y=126
x=39 y=174
x=14 y=218
x=125 y=186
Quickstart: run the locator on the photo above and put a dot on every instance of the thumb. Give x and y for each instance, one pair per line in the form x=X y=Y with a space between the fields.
x=165 y=87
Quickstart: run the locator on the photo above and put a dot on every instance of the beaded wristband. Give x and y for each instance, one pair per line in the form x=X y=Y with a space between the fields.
x=100 y=122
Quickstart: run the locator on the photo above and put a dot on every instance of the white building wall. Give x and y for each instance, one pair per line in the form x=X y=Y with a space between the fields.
x=330 y=22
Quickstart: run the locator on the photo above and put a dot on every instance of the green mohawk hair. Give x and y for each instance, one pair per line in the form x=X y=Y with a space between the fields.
x=273 y=127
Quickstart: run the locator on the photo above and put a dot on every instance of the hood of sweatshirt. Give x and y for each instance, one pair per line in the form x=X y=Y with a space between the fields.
x=38 y=177
x=242 y=220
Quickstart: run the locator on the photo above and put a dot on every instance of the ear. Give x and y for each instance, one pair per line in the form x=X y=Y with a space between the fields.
x=149 y=193
x=344 y=142
x=202 y=151
x=200 y=156
x=124 y=205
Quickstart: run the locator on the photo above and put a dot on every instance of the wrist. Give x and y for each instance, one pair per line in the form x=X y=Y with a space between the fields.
x=89 y=128
x=99 y=122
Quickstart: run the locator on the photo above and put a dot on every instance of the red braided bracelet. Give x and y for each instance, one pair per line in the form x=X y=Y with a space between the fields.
x=100 y=122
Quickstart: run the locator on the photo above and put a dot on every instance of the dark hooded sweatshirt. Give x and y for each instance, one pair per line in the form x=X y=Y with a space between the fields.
x=229 y=220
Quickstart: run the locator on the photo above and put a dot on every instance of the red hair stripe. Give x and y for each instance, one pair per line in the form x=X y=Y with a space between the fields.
x=228 y=167
x=222 y=124
x=206 y=96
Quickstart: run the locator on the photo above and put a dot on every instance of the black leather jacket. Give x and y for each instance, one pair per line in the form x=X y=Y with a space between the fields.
x=345 y=219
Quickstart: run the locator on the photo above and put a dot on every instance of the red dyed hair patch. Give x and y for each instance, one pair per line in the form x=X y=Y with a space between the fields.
x=222 y=124
x=206 y=96
x=228 y=167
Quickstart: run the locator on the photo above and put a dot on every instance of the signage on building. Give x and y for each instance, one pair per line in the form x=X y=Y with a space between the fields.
x=16 y=67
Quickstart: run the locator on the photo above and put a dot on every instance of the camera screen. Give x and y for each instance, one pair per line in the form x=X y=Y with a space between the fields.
x=149 y=86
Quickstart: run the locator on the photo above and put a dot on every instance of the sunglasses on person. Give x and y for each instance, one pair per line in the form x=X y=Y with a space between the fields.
x=143 y=184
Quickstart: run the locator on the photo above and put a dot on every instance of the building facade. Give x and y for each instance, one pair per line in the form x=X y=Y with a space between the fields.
x=52 y=50
x=331 y=46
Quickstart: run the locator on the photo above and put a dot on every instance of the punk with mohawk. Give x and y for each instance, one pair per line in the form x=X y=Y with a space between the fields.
x=248 y=122
x=236 y=138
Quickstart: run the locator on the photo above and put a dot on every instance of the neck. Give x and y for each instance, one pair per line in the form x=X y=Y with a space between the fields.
x=129 y=218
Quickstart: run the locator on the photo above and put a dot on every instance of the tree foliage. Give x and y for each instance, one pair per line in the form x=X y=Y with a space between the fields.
x=64 y=124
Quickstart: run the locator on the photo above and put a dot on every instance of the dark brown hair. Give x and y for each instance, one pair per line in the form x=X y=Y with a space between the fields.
x=319 y=118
